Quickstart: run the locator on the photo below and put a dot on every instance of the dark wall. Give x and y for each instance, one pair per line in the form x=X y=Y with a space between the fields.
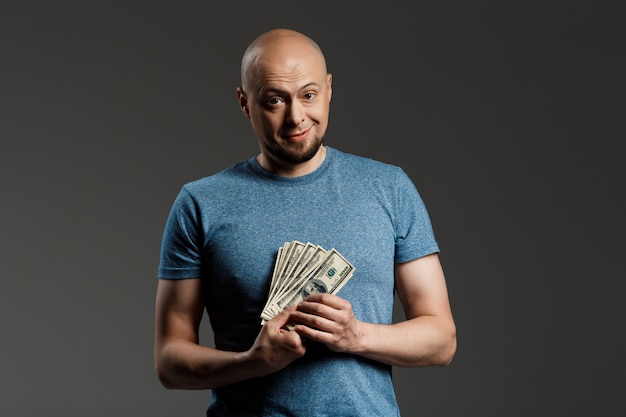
x=509 y=117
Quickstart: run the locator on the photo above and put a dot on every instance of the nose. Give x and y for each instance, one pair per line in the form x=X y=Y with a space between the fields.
x=295 y=113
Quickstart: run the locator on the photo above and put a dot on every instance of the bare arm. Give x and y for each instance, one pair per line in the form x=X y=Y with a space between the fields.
x=181 y=363
x=426 y=337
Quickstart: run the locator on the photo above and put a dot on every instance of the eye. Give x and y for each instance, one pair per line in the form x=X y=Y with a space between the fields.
x=274 y=101
x=310 y=96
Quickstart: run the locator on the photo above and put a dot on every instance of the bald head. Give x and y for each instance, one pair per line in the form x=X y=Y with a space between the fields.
x=285 y=92
x=278 y=46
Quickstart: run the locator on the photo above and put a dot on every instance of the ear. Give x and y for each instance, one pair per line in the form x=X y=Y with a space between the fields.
x=243 y=102
x=329 y=85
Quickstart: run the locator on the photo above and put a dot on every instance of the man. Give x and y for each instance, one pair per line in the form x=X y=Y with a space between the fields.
x=220 y=244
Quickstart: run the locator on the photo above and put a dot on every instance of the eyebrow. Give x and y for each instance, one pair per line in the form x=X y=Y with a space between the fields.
x=271 y=89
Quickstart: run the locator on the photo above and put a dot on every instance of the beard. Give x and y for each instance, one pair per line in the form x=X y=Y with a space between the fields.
x=297 y=153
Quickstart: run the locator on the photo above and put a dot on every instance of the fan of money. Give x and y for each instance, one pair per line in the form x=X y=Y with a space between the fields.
x=302 y=269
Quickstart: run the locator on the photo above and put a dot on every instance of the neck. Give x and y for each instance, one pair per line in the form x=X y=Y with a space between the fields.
x=292 y=170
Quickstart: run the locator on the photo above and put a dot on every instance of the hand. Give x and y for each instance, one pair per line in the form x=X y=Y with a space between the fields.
x=328 y=319
x=276 y=347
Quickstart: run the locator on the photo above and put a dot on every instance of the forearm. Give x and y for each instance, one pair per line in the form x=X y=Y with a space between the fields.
x=186 y=365
x=421 y=341
x=181 y=363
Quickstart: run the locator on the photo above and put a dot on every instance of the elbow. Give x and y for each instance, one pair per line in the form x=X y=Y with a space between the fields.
x=164 y=376
x=165 y=369
x=448 y=349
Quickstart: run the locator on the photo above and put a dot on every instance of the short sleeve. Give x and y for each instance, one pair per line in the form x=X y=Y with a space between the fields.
x=414 y=233
x=182 y=240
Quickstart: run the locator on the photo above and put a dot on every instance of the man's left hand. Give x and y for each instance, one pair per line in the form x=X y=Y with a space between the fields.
x=328 y=319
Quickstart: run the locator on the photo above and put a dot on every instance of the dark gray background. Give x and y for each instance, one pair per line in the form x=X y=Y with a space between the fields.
x=509 y=117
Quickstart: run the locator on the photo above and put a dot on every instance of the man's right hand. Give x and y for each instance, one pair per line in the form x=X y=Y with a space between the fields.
x=182 y=363
x=276 y=347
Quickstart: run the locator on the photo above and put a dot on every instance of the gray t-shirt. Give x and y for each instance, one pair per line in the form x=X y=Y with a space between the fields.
x=226 y=229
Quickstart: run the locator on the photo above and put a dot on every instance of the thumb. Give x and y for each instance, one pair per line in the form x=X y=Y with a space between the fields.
x=282 y=318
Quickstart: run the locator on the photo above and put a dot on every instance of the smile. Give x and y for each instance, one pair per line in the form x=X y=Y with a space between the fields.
x=297 y=137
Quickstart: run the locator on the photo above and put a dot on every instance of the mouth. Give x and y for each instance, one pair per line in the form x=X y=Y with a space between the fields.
x=297 y=136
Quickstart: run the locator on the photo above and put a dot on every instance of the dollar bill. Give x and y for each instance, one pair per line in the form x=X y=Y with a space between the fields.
x=301 y=269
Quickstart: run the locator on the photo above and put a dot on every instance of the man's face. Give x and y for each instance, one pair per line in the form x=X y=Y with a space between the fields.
x=287 y=99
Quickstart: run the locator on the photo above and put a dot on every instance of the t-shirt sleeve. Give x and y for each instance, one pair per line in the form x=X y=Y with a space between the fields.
x=182 y=240
x=414 y=233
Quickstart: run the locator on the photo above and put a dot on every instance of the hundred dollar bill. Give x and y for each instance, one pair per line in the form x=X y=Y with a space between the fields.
x=329 y=276
x=281 y=263
x=288 y=255
x=294 y=257
x=305 y=269
x=304 y=265
x=310 y=258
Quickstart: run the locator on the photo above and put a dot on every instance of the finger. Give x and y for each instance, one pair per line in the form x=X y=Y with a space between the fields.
x=314 y=333
x=283 y=317
x=330 y=300
x=312 y=308
x=326 y=307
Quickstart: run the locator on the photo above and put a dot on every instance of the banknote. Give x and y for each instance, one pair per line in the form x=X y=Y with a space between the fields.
x=301 y=269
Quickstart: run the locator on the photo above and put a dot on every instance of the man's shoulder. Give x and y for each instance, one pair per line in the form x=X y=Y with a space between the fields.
x=218 y=179
x=365 y=164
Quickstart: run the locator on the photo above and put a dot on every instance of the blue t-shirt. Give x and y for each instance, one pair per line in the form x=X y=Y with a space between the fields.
x=226 y=229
